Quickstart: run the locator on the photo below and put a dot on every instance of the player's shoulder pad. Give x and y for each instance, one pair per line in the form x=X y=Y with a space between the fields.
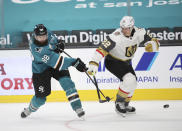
x=108 y=44
x=114 y=35
x=52 y=40
x=117 y=32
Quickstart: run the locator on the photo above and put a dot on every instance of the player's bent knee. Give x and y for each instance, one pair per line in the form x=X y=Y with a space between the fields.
x=129 y=80
x=71 y=92
x=67 y=83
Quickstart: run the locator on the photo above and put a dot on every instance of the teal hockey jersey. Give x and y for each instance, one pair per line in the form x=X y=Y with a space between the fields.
x=44 y=57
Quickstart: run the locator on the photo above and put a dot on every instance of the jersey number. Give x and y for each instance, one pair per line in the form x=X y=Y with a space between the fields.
x=106 y=43
x=45 y=58
x=130 y=50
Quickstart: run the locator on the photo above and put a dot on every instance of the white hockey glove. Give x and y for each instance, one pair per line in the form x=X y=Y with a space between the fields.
x=93 y=68
x=151 y=46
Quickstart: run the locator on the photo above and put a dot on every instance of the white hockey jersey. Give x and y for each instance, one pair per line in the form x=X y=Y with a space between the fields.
x=125 y=47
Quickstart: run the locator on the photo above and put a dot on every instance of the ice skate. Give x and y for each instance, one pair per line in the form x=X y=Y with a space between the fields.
x=130 y=109
x=120 y=108
x=26 y=112
x=80 y=113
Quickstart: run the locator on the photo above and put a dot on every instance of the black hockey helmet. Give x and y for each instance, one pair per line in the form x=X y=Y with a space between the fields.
x=40 y=30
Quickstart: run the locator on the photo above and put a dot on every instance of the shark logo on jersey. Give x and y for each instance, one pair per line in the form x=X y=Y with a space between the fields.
x=38 y=49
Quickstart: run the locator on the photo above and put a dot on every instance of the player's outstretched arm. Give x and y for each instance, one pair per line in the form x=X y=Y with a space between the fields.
x=101 y=52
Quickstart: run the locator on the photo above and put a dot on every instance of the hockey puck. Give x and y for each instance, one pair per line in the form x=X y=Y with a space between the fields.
x=166 y=106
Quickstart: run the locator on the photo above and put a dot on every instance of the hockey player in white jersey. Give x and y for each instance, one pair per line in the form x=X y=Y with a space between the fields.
x=119 y=49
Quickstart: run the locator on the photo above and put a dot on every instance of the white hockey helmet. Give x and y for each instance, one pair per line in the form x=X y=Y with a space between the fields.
x=127 y=22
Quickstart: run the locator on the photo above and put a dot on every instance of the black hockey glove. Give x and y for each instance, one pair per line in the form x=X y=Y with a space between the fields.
x=60 y=46
x=80 y=65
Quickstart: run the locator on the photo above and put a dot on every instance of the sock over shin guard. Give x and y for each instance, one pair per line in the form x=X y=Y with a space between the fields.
x=71 y=92
x=74 y=99
x=36 y=102
x=120 y=98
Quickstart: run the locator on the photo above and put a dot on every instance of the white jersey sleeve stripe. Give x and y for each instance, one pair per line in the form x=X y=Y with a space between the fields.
x=58 y=60
x=61 y=64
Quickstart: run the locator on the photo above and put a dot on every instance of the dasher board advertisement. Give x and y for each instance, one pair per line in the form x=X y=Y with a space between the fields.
x=154 y=70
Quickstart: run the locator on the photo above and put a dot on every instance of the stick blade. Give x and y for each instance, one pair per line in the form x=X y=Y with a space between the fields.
x=102 y=101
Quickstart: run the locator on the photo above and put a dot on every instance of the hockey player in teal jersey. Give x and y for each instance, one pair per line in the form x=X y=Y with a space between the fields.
x=47 y=63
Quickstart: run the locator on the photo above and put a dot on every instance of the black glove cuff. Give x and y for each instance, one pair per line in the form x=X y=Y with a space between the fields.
x=79 y=65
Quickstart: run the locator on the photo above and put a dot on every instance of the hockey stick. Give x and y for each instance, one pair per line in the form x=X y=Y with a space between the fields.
x=107 y=99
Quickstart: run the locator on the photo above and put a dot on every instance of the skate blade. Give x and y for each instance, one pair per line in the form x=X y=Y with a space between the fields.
x=121 y=114
x=82 y=118
x=131 y=112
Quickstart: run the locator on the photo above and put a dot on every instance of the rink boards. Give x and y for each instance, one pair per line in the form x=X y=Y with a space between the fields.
x=158 y=76
x=91 y=95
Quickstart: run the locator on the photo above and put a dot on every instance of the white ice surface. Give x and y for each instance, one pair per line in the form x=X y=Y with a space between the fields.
x=150 y=116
